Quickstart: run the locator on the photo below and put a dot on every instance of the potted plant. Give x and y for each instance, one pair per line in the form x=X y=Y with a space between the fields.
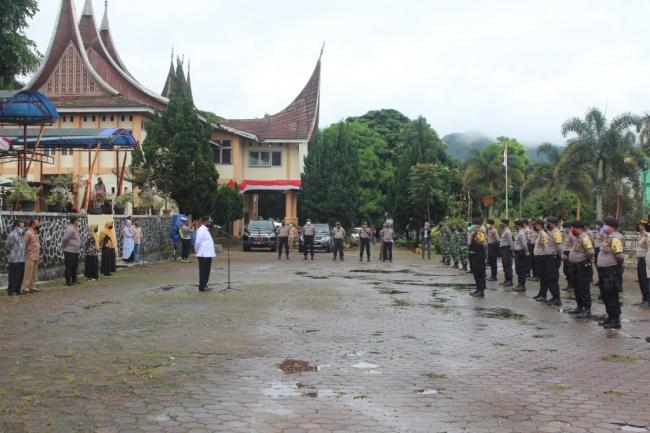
x=59 y=199
x=121 y=201
x=23 y=194
x=145 y=202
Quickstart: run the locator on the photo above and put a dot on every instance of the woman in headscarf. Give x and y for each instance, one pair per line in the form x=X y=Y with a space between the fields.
x=91 y=270
x=127 y=242
x=108 y=243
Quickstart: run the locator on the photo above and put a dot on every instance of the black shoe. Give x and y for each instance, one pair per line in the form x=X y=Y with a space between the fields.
x=478 y=294
x=305 y=258
x=361 y=259
x=556 y=302
x=614 y=324
x=577 y=310
x=507 y=284
x=492 y=279
x=585 y=314
x=568 y=289
x=12 y=294
x=503 y=283
x=205 y=289
x=76 y=282
x=540 y=299
x=519 y=289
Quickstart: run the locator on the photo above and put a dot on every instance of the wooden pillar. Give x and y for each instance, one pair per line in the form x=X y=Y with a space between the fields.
x=291 y=207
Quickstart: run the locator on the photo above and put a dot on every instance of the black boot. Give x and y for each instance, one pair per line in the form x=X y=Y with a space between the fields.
x=478 y=294
x=613 y=324
x=576 y=310
x=585 y=314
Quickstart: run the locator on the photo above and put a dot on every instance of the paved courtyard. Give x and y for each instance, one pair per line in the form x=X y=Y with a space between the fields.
x=314 y=347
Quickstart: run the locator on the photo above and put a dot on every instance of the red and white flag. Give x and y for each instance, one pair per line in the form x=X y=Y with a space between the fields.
x=505 y=155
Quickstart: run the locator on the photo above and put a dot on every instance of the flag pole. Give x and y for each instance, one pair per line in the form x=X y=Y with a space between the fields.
x=505 y=163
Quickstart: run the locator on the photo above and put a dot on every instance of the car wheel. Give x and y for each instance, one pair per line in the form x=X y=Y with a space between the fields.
x=245 y=248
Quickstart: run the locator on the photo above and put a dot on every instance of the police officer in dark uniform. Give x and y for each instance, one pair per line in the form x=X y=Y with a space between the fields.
x=610 y=264
x=581 y=272
x=478 y=249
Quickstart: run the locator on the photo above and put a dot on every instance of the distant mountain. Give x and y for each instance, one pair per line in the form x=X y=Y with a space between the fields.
x=460 y=144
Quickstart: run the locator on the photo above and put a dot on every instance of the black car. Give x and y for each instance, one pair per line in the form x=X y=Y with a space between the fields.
x=260 y=234
x=322 y=238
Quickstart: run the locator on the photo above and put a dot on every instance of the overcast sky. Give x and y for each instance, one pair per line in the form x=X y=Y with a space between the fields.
x=517 y=68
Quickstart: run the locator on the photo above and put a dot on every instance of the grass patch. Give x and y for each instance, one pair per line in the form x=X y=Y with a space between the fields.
x=436 y=375
x=558 y=387
x=616 y=357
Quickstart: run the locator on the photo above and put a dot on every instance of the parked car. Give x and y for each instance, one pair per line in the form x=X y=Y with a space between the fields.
x=322 y=238
x=355 y=233
x=260 y=234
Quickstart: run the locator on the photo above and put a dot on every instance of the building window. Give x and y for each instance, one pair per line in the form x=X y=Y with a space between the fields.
x=130 y=118
x=103 y=118
x=222 y=152
x=264 y=159
x=65 y=151
x=93 y=118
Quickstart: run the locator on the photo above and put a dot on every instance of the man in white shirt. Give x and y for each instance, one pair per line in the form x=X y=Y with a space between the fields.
x=204 y=248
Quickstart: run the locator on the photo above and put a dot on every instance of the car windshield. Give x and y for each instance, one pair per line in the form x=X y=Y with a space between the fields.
x=260 y=225
x=322 y=229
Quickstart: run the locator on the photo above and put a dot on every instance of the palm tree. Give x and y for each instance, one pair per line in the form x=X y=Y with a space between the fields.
x=484 y=174
x=594 y=153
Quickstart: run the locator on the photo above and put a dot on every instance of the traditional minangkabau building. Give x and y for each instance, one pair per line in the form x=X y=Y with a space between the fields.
x=91 y=88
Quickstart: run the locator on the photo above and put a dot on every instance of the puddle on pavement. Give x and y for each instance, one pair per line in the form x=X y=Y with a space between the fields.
x=632 y=428
x=499 y=313
x=382 y=271
x=281 y=390
x=389 y=291
x=290 y=366
x=99 y=304
x=400 y=303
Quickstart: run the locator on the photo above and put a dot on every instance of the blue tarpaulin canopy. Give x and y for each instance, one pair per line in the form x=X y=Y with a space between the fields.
x=25 y=107
x=62 y=138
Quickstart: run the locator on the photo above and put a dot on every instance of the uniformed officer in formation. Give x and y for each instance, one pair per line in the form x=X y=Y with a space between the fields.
x=308 y=231
x=338 y=236
x=493 y=248
x=521 y=253
x=532 y=239
x=580 y=258
x=542 y=259
x=462 y=247
x=283 y=240
x=554 y=249
x=478 y=250
x=453 y=246
x=610 y=268
x=569 y=239
x=445 y=244
x=506 y=244
x=364 y=241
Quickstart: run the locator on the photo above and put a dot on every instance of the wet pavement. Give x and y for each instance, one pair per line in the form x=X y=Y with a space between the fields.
x=315 y=347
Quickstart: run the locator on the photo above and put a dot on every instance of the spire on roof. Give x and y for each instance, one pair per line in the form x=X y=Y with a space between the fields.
x=104 y=25
x=88 y=8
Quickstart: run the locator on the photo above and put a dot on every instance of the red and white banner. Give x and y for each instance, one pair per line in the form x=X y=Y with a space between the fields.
x=269 y=185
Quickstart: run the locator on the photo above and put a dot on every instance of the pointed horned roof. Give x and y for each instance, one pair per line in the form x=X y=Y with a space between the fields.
x=296 y=122
x=107 y=39
x=78 y=63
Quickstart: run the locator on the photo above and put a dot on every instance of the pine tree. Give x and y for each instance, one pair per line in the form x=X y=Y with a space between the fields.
x=178 y=152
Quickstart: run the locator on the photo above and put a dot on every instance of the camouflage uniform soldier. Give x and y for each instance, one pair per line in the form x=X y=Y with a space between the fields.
x=444 y=244
x=453 y=246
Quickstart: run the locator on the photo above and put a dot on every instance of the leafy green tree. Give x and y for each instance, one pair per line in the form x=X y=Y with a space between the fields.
x=230 y=205
x=178 y=153
x=597 y=151
x=427 y=186
x=18 y=53
x=484 y=172
x=330 y=181
x=388 y=123
x=419 y=143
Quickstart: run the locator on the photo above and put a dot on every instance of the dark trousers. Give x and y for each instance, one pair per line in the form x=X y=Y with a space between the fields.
x=553 y=275
x=642 y=275
x=364 y=244
x=185 y=248
x=542 y=265
x=531 y=260
x=610 y=286
x=566 y=264
x=15 y=277
x=477 y=263
x=309 y=246
x=493 y=255
x=205 y=263
x=521 y=267
x=71 y=263
x=338 y=248
x=91 y=269
x=387 y=251
x=581 y=274
x=506 y=262
x=283 y=241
